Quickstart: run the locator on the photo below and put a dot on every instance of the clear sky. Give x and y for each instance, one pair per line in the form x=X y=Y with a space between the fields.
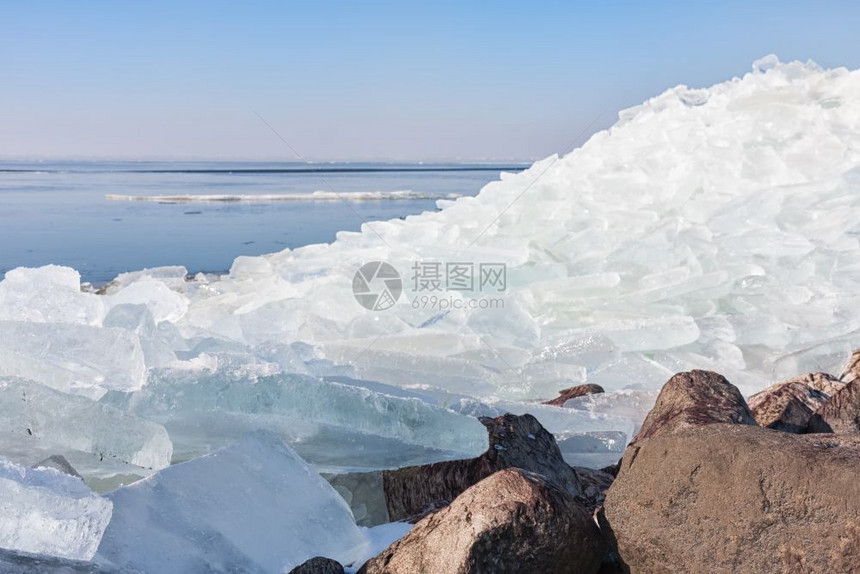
x=371 y=80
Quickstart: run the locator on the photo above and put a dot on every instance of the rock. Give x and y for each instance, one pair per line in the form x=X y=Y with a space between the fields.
x=515 y=441
x=788 y=406
x=512 y=522
x=574 y=392
x=694 y=399
x=612 y=469
x=594 y=483
x=319 y=565
x=737 y=498
x=822 y=382
x=841 y=414
x=851 y=370
x=364 y=494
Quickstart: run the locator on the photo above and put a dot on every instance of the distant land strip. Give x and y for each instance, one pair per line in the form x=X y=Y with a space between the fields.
x=300 y=170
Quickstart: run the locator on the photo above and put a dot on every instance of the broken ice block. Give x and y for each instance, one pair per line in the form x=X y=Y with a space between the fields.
x=76 y=359
x=164 y=303
x=45 y=511
x=46 y=295
x=39 y=421
x=326 y=420
x=254 y=506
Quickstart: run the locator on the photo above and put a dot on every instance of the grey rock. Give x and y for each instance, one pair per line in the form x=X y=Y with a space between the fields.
x=319 y=565
x=364 y=494
x=594 y=483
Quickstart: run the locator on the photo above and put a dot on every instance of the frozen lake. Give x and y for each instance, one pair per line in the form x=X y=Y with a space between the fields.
x=58 y=212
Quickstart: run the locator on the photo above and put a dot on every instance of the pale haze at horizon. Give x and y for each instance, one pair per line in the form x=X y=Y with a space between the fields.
x=383 y=81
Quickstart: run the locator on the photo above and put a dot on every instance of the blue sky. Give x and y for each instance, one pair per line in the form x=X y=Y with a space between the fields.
x=373 y=80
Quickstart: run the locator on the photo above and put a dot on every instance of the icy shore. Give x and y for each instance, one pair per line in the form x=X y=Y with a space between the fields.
x=712 y=228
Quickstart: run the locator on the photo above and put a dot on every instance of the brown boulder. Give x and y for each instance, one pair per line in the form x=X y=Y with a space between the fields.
x=515 y=442
x=788 y=406
x=694 y=399
x=512 y=522
x=737 y=498
x=851 y=370
x=594 y=485
x=565 y=395
x=841 y=414
x=319 y=565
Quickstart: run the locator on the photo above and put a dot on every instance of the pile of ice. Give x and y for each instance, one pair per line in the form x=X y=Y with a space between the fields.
x=712 y=228
x=254 y=506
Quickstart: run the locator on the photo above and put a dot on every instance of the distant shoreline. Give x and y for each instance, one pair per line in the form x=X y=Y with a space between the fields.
x=299 y=170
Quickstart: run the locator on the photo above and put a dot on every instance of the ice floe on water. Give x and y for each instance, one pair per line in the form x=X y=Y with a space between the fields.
x=276 y=197
x=714 y=228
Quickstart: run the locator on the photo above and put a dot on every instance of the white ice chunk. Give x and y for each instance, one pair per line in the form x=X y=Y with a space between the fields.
x=44 y=511
x=173 y=276
x=46 y=295
x=630 y=404
x=716 y=228
x=164 y=303
x=76 y=359
x=254 y=506
x=159 y=343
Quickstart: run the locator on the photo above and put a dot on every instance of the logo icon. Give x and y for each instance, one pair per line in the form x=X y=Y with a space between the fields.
x=377 y=286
